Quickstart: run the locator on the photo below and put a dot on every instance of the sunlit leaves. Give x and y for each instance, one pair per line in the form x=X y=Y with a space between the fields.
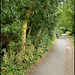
x=66 y=18
x=42 y=15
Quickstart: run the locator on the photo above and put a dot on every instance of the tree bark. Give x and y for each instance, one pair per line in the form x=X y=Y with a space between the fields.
x=30 y=29
x=9 y=50
x=24 y=27
x=38 y=35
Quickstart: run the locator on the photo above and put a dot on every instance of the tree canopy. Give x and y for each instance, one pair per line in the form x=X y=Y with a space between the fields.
x=66 y=16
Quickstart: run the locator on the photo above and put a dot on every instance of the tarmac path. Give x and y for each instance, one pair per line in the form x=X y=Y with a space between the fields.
x=55 y=63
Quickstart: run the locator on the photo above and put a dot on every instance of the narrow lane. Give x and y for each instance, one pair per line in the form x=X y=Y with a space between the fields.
x=55 y=63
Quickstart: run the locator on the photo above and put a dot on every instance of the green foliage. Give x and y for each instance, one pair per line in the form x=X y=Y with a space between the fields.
x=66 y=16
x=44 y=40
x=13 y=15
x=68 y=33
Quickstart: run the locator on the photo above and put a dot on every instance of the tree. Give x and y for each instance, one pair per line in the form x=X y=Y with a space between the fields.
x=66 y=19
x=28 y=26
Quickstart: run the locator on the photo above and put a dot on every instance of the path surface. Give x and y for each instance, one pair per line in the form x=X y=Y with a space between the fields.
x=55 y=63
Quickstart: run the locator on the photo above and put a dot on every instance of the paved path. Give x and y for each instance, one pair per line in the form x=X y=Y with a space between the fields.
x=55 y=63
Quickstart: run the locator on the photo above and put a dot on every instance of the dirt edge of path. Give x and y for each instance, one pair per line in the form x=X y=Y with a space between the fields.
x=69 y=61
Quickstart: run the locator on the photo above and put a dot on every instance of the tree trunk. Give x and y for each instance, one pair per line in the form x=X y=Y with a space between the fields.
x=24 y=27
x=38 y=35
x=30 y=29
x=9 y=50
